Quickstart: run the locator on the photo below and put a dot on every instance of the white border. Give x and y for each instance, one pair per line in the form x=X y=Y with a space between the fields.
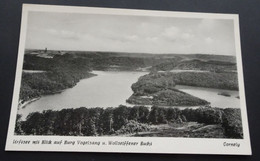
x=159 y=144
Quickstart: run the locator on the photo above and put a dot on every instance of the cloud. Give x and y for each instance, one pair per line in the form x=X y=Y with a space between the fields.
x=171 y=33
x=152 y=38
x=207 y=24
x=187 y=36
x=64 y=34
x=209 y=40
x=131 y=37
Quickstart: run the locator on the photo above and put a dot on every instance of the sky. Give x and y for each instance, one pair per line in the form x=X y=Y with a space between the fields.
x=128 y=33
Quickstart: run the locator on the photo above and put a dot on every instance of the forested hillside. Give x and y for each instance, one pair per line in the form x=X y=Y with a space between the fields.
x=129 y=61
x=59 y=73
x=127 y=120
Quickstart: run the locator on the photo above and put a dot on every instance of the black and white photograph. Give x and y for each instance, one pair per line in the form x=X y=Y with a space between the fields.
x=128 y=75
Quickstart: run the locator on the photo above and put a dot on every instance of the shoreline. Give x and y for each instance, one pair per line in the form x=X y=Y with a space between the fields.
x=23 y=105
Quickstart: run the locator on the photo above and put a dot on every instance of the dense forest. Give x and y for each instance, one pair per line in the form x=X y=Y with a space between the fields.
x=197 y=79
x=207 y=79
x=196 y=64
x=126 y=120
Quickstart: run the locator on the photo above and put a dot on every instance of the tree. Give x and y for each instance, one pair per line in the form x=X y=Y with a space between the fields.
x=18 y=125
x=121 y=115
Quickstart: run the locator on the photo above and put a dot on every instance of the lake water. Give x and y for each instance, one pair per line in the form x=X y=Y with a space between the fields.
x=212 y=96
x=107 y=89
x=111 y=89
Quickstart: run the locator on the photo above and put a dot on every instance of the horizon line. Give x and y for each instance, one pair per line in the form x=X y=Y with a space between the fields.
x=132 y=52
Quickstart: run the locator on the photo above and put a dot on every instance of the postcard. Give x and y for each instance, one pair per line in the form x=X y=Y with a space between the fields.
x=133 y=81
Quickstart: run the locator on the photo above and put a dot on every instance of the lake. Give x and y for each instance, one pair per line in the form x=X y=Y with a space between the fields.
x=111 y=89
x=107 y=89
x=212 y=96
